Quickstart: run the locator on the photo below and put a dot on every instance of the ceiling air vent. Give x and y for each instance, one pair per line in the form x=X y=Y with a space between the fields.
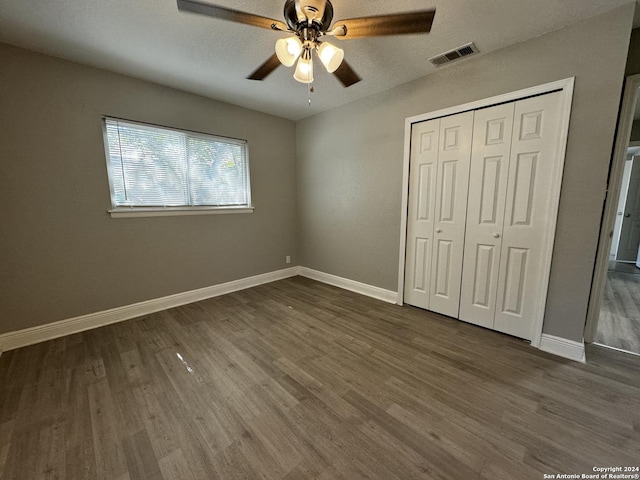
x=455 y=54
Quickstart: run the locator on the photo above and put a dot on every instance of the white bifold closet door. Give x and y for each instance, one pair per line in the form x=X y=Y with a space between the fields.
x=489 y=171
x=515 y=149
x=440 y=156
x=479 y=213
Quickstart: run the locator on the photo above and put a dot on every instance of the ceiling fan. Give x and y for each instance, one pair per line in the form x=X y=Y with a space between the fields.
x=309 y=21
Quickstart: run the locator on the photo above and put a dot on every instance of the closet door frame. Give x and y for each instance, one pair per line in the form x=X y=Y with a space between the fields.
x=566 y=88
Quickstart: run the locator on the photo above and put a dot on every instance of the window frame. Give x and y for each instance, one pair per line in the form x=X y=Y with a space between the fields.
x=158 y=211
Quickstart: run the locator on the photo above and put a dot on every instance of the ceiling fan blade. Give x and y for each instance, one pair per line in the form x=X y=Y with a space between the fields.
x=346 y=74
x=395 y=24
x=264 y=70
x=229 y=14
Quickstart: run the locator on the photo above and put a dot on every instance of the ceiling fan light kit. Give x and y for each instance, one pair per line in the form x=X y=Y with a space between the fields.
x=330 y=56
x=308 y=21
x=304 y=69
x=288 y=50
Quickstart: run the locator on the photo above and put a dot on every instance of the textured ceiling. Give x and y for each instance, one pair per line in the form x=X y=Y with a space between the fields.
x=152 y=40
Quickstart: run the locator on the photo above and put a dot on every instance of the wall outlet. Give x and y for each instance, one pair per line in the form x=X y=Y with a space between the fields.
x=287 y=259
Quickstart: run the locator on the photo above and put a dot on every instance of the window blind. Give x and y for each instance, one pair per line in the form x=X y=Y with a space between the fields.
x=152 y=166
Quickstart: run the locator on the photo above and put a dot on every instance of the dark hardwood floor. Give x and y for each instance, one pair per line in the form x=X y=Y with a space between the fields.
x=619 y=321
x=623 y=267
x=300 y=380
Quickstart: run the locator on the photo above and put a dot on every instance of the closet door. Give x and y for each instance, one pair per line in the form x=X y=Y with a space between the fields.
x=425 y=139
x=452 y=180
x=438 y=178
x=491 y=150
x=534 y=148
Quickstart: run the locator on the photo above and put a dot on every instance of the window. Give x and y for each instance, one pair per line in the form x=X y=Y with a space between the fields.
x=156 y=170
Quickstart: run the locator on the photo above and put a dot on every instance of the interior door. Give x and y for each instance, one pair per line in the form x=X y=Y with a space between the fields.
x=425 y=141
x=534 y=148
x=492 y=131
x=622 y=200
x=454 y=155
x=630 y=230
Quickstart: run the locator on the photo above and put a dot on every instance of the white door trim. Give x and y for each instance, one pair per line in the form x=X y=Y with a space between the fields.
x=566 y=88
x=625 y=122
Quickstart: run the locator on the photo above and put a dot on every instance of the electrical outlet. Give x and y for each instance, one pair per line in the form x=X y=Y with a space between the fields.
x=287 y=259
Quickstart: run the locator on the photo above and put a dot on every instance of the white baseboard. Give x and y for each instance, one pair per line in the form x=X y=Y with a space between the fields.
x=29 y=336
x=378 y=293
x=616 y=349
x=563 y=347
x=21 y=338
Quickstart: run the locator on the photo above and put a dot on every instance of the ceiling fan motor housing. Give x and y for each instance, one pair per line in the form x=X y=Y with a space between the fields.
x=313 y=13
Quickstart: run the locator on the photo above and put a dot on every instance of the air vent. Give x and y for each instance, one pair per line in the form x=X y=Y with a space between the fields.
x=455 y=54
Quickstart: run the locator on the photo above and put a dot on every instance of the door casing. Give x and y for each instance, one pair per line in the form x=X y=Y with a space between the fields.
x=623 y=135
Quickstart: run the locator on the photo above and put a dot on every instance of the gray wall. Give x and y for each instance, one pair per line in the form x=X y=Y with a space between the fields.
x=635 y=131
x=350 y=159
x=61 y=254
x=633 y=61
x=633 y=68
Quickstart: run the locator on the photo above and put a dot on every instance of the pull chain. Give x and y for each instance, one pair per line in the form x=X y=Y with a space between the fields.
x=311 y=90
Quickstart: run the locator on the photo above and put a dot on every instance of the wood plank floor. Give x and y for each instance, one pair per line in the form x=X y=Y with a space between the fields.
x=300 y=380
x=619 y=321
x=623 y=267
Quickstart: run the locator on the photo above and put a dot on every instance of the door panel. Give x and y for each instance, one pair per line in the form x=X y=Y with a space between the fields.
x=425 y=140
x=630 y=231
x=451 y=204
x=420 y=267
x=425 y=186
x=516 y=273
x=447 y=197
x=492 y=169
x=533 y=155
x=443 y=269
x=523 y=191
x=630 y=242
x=483 y=281
x=485 y=215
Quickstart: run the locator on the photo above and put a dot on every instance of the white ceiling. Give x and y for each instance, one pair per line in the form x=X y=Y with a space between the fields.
x=152 y=40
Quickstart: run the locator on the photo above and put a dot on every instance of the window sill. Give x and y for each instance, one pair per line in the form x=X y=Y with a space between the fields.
x=139 y=212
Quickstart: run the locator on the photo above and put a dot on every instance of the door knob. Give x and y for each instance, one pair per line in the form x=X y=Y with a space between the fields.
x=438 y=230
x=627 y=215
x=496 y=235
x=619 y=213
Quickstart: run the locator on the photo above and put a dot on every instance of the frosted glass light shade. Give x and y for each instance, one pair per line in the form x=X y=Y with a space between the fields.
x=331 y=56
x=304 y=70
x=288 y=50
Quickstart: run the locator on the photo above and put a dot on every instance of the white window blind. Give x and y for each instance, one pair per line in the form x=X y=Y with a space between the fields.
x=152 y=166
